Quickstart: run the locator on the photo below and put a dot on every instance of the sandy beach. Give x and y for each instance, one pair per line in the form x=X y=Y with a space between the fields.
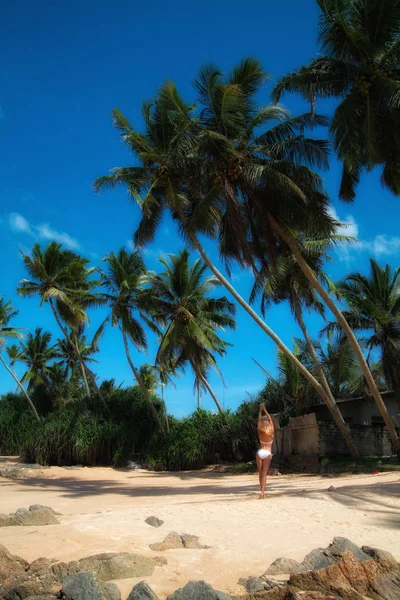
x=105 y=509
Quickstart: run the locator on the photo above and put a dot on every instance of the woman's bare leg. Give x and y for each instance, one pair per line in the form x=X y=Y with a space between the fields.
x=264 y=472
x=259 y=462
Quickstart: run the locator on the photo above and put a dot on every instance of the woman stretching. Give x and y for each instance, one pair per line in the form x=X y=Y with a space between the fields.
x=266 y=431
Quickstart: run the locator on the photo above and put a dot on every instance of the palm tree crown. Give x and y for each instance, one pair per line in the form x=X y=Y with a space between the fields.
x=359 y=63
x=36 y=353
x=178 y=300
x=374 y=307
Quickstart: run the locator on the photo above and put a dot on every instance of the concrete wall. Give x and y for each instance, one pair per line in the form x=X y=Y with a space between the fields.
x=363 y=411
x=369 y=440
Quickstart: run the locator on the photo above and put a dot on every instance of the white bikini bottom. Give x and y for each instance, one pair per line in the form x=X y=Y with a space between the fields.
x=263 y=453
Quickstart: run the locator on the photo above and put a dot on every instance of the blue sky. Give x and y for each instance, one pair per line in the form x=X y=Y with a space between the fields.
x=63 y=67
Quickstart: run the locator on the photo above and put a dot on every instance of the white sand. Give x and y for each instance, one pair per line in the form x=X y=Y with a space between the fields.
x=104 y=510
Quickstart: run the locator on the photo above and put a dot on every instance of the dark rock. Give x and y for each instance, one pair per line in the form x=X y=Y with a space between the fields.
x=111 y=591
x=198 y=590
x=316 y=559
x=385 y=559
x=10 y=565
x=282 y=566
x=174 y=540
x=331 y=488
x=154 y=521
x=83 y=586
x=142 y=591
x=20 y=512
x=341 y=544
x=252 y=584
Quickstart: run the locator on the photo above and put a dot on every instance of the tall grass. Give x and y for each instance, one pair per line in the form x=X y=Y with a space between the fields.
x=80 y=432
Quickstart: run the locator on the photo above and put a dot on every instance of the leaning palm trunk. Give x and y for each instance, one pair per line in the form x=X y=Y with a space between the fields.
x=305 y=372
x=85 y=381
x=84 y=367
x=165 y=409
x=19 y=384
x=211 y=392
x=331 y=406
x=139 y=379
x=291 y=242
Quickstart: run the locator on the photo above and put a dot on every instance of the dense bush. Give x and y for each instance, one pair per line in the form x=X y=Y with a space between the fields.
x=204 y=438
x=78 y=433
x=82 y=432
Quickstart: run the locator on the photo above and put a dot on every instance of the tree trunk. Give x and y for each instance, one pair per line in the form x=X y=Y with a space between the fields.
x=332 y=406
x=211 y=392
x=19 y=384
x=165 y=408
x=85 y=381
x=291 y=242
x=305 y=372
x=81 y=361
x=139 y=379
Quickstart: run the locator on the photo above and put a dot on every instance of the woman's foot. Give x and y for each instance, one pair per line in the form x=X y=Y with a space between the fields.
x=262 y=496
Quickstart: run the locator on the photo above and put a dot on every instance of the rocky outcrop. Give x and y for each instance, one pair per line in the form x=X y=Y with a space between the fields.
x=142 y=591
x=82 y=585
x=353 y=573
x=110 y=565
x=154 y=521
x=351 y=579
x=175 y=540
x=11 y=565
x=19 y=580
x=37 y=515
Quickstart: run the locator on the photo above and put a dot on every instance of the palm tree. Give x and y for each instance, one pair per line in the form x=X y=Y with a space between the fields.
x=292 y=383
x=123 y=281
x=358 y=64
x=61 y=278
x=149 y=377
x=342 y=369
x=259 y=188
x=171 y=157
x=225 y=174
x=165 y=374
x=374 y=306
x=86 y=348
x=286 y=281
x=36 y=353
x=9 y=332
x=178 y=300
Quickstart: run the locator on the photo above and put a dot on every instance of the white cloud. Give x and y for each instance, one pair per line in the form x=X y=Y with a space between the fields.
x=348 y=225
x=45 y=232
x=18 y=223
x=379 y=246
